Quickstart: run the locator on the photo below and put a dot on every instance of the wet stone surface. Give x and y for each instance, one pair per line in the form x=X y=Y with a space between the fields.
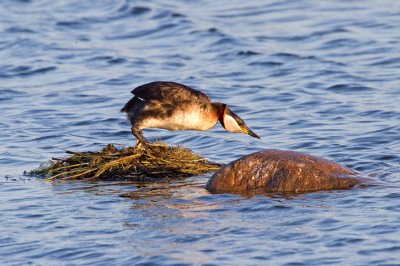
x=282 y=171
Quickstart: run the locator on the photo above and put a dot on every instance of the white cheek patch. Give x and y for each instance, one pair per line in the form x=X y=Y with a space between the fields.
x=231 y=125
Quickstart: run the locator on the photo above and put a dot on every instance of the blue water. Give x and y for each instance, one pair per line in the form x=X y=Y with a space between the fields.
x=320 y=77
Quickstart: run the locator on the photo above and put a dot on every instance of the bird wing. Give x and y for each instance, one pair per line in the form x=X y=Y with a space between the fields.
x=170 y=91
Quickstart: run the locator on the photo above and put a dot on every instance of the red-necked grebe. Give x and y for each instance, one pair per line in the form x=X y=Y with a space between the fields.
x=174 y=106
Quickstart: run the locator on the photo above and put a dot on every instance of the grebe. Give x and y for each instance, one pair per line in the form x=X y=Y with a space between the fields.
x=174 y=106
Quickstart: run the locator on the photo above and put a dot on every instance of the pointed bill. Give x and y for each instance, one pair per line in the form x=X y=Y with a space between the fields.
x=248 y=131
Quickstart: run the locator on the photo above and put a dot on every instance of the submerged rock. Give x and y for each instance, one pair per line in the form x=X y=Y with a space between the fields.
x=282 y=171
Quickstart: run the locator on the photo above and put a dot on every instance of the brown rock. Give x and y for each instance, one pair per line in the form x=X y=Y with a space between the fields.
x=282 y=171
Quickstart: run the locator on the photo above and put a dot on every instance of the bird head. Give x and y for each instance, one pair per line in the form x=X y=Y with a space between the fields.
x=233 y=123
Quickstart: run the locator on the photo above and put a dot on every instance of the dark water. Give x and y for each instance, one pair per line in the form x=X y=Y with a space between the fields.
x=320 y=77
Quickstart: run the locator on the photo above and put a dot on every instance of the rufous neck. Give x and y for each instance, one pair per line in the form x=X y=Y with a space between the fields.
x=219 y=109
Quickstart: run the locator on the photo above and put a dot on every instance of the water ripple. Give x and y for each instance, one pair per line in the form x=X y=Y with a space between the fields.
x=314 y=76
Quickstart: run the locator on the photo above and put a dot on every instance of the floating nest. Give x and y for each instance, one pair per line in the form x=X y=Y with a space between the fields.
x=141 y=162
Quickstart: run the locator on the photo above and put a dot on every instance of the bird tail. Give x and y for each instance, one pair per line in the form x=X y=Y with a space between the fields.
x=128 y=105
x=124 y=109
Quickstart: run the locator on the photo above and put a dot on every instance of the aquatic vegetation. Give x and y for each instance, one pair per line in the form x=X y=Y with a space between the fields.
x=144 y=161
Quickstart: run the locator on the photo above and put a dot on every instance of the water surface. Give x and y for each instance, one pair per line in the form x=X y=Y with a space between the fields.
x=320 y=77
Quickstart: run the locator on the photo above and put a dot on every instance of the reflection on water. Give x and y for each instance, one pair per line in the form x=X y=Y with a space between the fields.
x=316 y=77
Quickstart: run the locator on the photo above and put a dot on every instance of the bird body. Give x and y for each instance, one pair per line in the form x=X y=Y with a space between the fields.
x=174 y=106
